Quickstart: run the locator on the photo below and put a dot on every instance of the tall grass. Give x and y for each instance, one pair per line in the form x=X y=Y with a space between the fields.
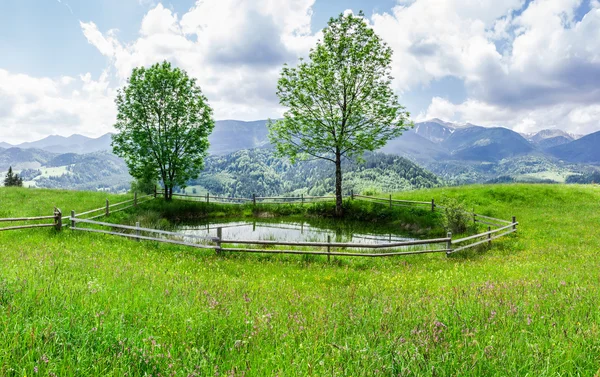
x=83 y=304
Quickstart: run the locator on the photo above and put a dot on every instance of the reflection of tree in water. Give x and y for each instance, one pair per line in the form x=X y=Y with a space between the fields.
x=300 y=231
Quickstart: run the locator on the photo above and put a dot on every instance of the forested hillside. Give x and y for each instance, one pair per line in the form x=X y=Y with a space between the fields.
x=258 y=171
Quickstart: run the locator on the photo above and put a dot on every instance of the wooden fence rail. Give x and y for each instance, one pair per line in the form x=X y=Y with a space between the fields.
x=219 y=241
x=502 y=228
x=137 y=229
x=56 y=217
x=254 y=200
x=108 y=208
x=488 y=236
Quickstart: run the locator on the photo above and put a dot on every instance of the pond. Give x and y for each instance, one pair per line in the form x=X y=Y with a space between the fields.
x=296 y=231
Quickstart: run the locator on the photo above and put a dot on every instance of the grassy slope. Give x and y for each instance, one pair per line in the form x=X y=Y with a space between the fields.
x=79 y=304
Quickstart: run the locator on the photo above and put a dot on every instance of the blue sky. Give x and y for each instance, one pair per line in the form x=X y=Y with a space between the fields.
x=526 y=65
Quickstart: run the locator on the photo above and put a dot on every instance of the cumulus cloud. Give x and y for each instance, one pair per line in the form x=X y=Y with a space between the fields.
x=524 y=64
x=32 y=108
x=235 y=48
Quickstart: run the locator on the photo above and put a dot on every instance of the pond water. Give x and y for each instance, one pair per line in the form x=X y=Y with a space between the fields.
x=296 y=231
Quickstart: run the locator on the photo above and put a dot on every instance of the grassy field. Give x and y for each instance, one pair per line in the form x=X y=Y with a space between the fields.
x=82 y=304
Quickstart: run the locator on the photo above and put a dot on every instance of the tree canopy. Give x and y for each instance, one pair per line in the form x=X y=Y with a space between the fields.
x=163 y=121
x=12 y=179
x=340 y=102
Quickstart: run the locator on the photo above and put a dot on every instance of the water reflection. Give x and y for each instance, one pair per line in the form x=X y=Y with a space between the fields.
x=290 y=231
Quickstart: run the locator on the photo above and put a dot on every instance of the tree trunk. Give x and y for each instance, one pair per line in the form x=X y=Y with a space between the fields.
x=168 y=193
x=339 y=211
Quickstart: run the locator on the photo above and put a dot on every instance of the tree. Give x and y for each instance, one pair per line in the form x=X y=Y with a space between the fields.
x=146 y=183
x=12 y=179
x=163 y=121
x=340 y=102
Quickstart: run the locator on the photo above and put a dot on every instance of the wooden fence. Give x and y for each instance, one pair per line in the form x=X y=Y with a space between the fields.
x=207 y=198
x=108 y=208
x=502 y=228
x=56 y=218
x=219 y=244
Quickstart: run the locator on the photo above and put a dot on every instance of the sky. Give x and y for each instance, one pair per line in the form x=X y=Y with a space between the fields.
x=523 y=64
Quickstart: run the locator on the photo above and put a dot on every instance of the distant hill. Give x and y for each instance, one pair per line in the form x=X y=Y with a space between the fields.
x=247 y=172
x=414 y=146
x=550 y=134
x=456 y=152
x=485 y=144
x=583 y=150
x=72 y=144
x=435 y=130
x=233 y=135
x=549 y=138
x=92 y=171
x=23 y=158
x=228 y=136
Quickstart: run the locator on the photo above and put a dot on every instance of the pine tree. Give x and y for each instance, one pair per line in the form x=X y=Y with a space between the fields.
x=12 y=179
x=9 y=179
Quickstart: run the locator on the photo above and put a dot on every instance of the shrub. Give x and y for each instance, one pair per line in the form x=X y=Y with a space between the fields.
x=456 y=217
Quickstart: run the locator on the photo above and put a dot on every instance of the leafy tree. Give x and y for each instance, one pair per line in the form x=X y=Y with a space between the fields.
x=12 y=179
x=146 y=183
x=340 y=102
x=163 y=121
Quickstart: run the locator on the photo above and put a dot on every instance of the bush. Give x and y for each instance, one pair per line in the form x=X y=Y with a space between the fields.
x=456 y=217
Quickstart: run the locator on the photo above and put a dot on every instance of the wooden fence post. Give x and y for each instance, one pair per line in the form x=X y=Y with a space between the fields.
x=137 y=231
x=390 y=200
x=489 y=235
x=328 y=248
x=352 y=194
x=302 y=199
x=207 y=200
x=72 y=219
x=219 y=238
x=57 y=219
x=514 y=223
x=254 y=199
x=474 y=216
x=449 y=243
x=432 y=205
x=135 y=199
x=155 y=191
x=107 y=208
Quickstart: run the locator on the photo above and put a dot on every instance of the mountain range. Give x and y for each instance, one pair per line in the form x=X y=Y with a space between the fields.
x=432 y=140
x=457 y=153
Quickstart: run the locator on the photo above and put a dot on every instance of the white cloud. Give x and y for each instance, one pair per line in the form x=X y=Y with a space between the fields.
x=95 y=37
x=527 y=70
x=234 y=47
x=522 y=68
x=38 y=107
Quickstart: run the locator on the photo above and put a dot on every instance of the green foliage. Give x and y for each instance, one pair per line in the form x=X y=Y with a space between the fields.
x=163 y=121
x=340 y=102
x=12 y=179
x=456 y=216
x=146 y=183
x=74 y=304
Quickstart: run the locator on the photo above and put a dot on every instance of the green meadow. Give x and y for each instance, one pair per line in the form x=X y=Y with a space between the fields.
x=78 y=304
